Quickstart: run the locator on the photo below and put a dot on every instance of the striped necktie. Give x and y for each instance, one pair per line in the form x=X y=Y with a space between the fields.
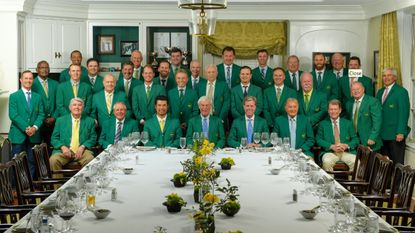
x=118 y=133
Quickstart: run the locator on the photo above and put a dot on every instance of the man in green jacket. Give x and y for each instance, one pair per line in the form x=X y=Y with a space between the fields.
x=73 y=137
x=136 y=58
x=228 y=72
x=26 y=113
x=247 y=125
x=73 y=88
x=293 y=73
x=195 y=79
x=210 y=126
x=324 y=80
x=395 y=113
x=94 y=80
x=76 y=59
x=127 y=83
x=338 y=64
x=366 y=114
x=176 y=58
x=337 y=138
x=262 y=75
x=164 y=79
x=163 y=130
x=117 y=127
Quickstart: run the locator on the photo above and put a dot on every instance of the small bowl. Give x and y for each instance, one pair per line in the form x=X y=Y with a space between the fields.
x=101 y=213
x=308 y=214
x=128 y=170
x=275 y=171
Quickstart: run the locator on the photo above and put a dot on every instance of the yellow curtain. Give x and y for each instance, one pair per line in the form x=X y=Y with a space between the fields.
x=389 y=56
x=246 y=37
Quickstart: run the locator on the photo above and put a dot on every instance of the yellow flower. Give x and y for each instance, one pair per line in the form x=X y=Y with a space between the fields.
x=198 y=160
x=212 y=198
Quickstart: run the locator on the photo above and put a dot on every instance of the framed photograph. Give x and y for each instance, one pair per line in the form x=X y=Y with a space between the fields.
x=127 y=47
x=106 y=44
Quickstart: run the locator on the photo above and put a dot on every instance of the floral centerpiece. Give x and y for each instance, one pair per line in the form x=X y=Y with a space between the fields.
x=229 y=204
x=174 y=203
x=179 y=179
x=205 y=217
x=226 y=163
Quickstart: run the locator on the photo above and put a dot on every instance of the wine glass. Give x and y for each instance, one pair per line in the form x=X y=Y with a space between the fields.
x=286 y=143
x=136 y=136
x=196 y=137
x=144 y=137
x=265 y=138
x=257 y=137
x=67 y=214
x=35 y=220
x=183 y=142
x=273 y=138
x=244 y=142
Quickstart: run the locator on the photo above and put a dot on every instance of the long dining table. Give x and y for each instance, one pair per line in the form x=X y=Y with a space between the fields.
x=266 y=200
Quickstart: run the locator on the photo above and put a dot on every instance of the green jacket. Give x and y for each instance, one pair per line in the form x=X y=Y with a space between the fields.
x=235 y=80
x=22 y=116
x=216 y=133
x=288 y=82
x=369 y=120
x=143 y=108
x=98 y=84
x=120 y=87
x=171 y=83
x=317 y=107
x=64 y=94
x=325 y=135
x=202 y=81
x=344 y=85
x=273 y=108
x=64 y=75
x=108 y=135
x=342 y=74
x=304 y=132
x=172 y=73
x=237 y=98
x=169 y=137
x=49 y=102
x=395 y=112
x=239 y=130
x=329 y=85
x=221 y=99
x=121 y=75
x=183 y=109
x=62 y=133
x=260 y=82
x=99 y=106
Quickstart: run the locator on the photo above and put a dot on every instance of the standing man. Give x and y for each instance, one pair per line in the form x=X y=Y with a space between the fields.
x=46 y=88
x=395 y=112
x=73 y=137
x=276 y=96
x=163 y=130
x=144 y=96
x=228 y=71
x=26 y=115
x=195 y=78
x=127 y=83
x=324 y=80
x=262 y=75
x=71 y=89
x=296 y=127
x=183 y=101
x=247 y=125
x=337 y=61
x=366 y=114
x=76 y=59
x=293 y=73
x=337 y=138
x=94 y=80
x=239 y=92
x=136 y=58
x=117 y=127
x=210 y=126
x=164 y=78
x=176 y=57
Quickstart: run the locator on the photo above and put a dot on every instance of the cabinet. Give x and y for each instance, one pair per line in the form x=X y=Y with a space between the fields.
x=53 y=41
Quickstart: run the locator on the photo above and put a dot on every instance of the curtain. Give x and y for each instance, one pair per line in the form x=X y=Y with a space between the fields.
x=389 y=56
x=246 y=37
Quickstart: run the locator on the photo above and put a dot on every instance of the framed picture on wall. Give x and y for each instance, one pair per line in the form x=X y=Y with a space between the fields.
x=328 y=56
x=106 y=44
x=127 y=47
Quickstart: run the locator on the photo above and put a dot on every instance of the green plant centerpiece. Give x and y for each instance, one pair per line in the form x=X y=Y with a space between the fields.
x=179 y=179
x=229 y=204
x=205 y=217
x=226 y=163
x=174 y=203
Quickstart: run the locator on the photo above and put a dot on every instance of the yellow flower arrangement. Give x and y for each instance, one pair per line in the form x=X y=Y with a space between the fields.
x=211 y=198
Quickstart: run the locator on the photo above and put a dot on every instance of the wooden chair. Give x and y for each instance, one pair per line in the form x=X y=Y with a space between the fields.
x=6 y=151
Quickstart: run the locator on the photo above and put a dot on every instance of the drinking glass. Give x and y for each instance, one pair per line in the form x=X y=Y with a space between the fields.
x=257 y=137
x=183 y=142
x=35 y=220
x=286 y=143
x=273 y=138
x=144 y=137
x=196 y=137
x=136 y=136
x=244 y=143
x=265 y=138
x=348 y=207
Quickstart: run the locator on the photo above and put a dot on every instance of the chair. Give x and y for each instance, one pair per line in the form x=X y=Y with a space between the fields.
x=6 y=151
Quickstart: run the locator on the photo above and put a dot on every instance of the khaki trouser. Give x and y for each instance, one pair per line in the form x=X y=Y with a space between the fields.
x=330 y=159
x=57 y=161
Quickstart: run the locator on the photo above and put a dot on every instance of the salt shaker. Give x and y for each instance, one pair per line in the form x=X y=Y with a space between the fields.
x=295 y=195
x=114 y=194
x=269 y=160
x=136 y=160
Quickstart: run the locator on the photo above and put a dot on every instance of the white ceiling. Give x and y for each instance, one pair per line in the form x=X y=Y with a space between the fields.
x=230 y=2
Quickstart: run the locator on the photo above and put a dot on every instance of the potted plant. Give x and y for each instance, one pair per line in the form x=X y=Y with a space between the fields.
x=174 y=203
x=226 y=163
x=229 y=205
x=230 y=208
x=179 y=179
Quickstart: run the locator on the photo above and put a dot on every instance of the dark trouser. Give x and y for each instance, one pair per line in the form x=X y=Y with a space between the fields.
x=395 y=150
x=46 y=134
x=26 y=146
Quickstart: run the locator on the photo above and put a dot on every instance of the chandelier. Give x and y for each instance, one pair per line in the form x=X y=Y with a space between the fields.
x=203 y=17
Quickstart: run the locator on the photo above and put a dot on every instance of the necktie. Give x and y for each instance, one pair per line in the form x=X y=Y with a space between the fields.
x=127 y=87
x=45 y=87
x=292 y=132
x=336 y=132
x=162 y=125
x=228 y=76
x=263 y=73
x=163 y=82
x=194 y=84
x=245 y=91
x=135 y=74
x=338 y=75
x=250 y=131
x=118 y=133
x=29 y=98
x=385 y=94
x=181 y=94
x=306 y=101
x=92 y=81
x=75 y=90
x=109 y=102
x=148 y=90
x=278 y=94
x=319 y=79
x=205 y=127
x=210 y=91
x=356 y=114
x=295 y=82
x=75 y=136
x=175 y=70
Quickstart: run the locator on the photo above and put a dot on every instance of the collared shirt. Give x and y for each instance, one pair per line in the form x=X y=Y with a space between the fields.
x=360 y=103
x=297 y=77
x=148 y=85
x=116 y=124
x=338 y=71
x=79 y=125
x=207 y=118
x=73 y=82
x=165 y=81
x=322 y=73
x=226 y=68
x=247 y=87
x=338 y=124
x=25 y=92
x=95 y=79
x=309 y=94
x=108 y=93
x=292 y=125
x=246 y=121
x=213 y=91
x=159 y=119
x=280 y=87
x=390 y=86
x=127 y=81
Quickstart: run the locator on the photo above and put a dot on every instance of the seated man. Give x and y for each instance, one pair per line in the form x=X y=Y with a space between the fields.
x=337 y=137
x=73 y=135
x=246 y=126
x=163 y=130
x=296 y=127
x=210 y=126
x=117 y=127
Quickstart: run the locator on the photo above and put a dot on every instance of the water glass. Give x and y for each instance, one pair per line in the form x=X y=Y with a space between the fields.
x=183 y=142
x=257 y=138
x=274 y=139
x=372 y=223
x=196 y=136
x=265 y=138
x=244 y=143
x=144 y=137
